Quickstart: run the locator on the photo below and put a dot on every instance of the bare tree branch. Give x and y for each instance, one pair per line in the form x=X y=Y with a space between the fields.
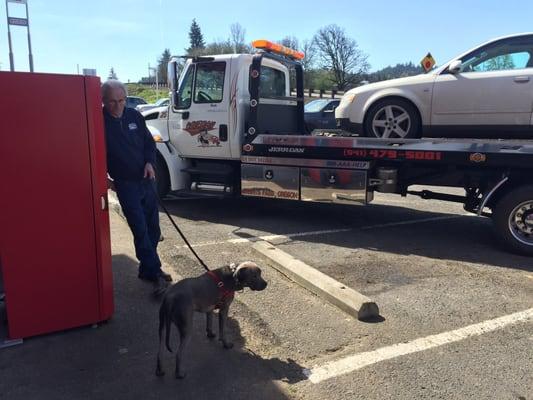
x=237 y=38
x=340 y=55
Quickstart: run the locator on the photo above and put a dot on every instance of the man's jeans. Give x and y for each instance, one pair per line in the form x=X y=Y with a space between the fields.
x=139 y=204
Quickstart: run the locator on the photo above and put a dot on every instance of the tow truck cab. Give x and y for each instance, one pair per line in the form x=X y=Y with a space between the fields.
x=215 y=103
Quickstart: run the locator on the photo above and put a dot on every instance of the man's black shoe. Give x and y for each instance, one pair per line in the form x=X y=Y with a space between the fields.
x=160 y=286
x=146 y=278
x=166 y=276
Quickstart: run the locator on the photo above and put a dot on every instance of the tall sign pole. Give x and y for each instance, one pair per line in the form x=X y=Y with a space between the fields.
x=19 y=22
x=11 y=60
x=30 y=55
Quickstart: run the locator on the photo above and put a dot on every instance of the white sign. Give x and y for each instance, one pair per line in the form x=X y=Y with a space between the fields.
x=17 y=21
x=89 y=71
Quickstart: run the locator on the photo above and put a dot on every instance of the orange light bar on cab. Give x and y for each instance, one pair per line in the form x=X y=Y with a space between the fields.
x=277 y=48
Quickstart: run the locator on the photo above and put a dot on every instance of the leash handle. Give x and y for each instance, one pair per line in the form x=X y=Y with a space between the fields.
x=177 y=228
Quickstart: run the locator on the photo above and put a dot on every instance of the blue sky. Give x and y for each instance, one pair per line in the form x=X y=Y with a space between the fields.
x=129 y=34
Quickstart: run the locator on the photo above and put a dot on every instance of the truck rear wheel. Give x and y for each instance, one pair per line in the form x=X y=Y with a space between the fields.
x=513 y=219
x=162 y=178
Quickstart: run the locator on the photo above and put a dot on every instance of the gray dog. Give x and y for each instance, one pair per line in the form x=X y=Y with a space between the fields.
x=212 y=290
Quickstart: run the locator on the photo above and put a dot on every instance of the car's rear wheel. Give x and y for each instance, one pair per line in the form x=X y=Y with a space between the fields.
x=392 y=119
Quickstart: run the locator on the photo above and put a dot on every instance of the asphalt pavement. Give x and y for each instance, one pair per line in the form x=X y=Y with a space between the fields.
x=456 y=311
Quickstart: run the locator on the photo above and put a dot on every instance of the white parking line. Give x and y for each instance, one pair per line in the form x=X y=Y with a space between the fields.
x=361 y=360
x=322 y=232
x=413 y=221
x=269 y=237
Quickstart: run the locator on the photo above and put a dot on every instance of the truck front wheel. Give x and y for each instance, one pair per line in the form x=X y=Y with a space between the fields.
x=162 y=178
x=513 y=219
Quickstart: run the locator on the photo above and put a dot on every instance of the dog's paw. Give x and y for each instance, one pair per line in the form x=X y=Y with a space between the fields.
x=227 y=345
x=180 y=375
x=211 y=335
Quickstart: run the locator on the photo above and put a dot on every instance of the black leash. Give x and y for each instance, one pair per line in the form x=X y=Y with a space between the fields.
x=177 y=228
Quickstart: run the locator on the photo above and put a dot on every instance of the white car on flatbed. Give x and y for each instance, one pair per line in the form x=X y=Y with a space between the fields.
x=484 y=92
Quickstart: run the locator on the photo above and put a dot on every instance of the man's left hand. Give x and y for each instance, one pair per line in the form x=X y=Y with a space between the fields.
x=149 y=171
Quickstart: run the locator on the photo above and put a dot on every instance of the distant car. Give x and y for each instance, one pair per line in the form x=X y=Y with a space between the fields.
x=320 y=114
x=155 y=113
x=133 y=101
x=486 y=92
x=159 y=103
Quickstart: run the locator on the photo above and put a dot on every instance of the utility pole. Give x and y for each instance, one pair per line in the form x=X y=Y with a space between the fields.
x=156 y=73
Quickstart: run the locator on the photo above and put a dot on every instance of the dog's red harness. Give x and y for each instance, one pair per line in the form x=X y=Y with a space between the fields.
x=225 y=294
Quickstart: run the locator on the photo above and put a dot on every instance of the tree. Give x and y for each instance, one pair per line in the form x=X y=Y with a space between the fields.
x=498 y=63
x=309 y=49
x=219 y=47
x=392 y=72
x=196 y=39
x=162 y=64
x=237 y=35
x=290 y=41
x=340 y=55
x=112 y=74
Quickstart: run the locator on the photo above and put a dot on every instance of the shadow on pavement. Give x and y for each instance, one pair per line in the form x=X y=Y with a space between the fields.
x=116 y=360
x=449 y=236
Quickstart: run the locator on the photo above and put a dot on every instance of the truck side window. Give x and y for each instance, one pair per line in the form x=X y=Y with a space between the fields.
x=209 y=86
x=272 y=82
x=184 y=98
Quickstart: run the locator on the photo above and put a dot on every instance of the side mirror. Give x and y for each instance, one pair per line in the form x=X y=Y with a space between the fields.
x=172 y=73
x=455 y=67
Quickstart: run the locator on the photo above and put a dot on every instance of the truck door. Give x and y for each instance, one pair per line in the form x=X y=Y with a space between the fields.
x=199 y=120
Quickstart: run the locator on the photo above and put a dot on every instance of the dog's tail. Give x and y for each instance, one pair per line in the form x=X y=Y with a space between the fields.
x=164 y=321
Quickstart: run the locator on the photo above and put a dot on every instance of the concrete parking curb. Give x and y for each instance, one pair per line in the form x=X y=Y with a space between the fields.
x=336 y=293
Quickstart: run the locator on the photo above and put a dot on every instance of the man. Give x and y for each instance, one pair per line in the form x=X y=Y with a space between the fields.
x=130 y=164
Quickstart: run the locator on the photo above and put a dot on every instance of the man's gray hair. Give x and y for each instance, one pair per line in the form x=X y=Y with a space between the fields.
x=113 y=84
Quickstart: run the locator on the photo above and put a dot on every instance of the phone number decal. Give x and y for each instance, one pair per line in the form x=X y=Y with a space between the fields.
x=395 y=154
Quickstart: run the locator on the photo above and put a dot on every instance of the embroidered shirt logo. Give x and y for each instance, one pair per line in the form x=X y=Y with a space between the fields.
x=132 y=126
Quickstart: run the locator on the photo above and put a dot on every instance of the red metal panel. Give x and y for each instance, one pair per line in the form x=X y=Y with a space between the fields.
x=95 y=123
x=47 y=240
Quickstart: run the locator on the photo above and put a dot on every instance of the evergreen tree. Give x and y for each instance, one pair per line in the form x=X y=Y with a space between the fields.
x=162 y=64
x=196 y=39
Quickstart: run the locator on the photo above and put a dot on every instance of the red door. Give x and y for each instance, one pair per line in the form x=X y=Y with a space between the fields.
x=49 y=253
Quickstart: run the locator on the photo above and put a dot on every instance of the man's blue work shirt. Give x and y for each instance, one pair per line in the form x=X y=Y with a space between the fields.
x=129 y=145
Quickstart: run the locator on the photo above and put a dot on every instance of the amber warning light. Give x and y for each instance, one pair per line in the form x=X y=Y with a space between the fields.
x=277 y=48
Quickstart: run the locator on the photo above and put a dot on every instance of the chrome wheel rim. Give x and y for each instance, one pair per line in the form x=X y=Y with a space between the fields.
x=391 y=121
x=521 y=222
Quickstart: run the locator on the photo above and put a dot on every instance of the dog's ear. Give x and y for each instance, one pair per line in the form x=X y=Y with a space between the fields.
x=240 y=275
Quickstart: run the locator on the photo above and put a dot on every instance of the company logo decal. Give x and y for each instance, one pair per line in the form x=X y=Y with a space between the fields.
x=202 y=128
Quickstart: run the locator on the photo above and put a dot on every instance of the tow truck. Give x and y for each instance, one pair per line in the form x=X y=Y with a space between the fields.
x=233 y=129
